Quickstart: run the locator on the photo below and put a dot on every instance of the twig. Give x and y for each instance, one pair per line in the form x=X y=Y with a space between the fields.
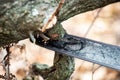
x=2 y=76
x=8 y=62
x=93 y=70
x=91 y=25
x=85 y=35
x=53 y=15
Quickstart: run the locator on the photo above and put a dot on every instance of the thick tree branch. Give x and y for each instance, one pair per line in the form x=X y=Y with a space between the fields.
x=61 y=70
x=18 y=17
x=74 y=7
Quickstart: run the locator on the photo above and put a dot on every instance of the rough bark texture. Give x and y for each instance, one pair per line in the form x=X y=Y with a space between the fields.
x=61 y=70
x=74 y=7
x=18 y=17
x=63 y=65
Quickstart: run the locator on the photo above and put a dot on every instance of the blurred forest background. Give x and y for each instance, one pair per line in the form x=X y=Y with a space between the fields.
x=106 y=28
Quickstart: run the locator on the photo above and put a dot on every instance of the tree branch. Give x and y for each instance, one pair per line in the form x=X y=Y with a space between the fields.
x=74 y=7
x=61 y=70
x=18 y=17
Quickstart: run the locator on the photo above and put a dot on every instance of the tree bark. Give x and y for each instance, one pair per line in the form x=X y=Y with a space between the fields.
x=18 y=17
x=74 y=7
x=61 y=70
